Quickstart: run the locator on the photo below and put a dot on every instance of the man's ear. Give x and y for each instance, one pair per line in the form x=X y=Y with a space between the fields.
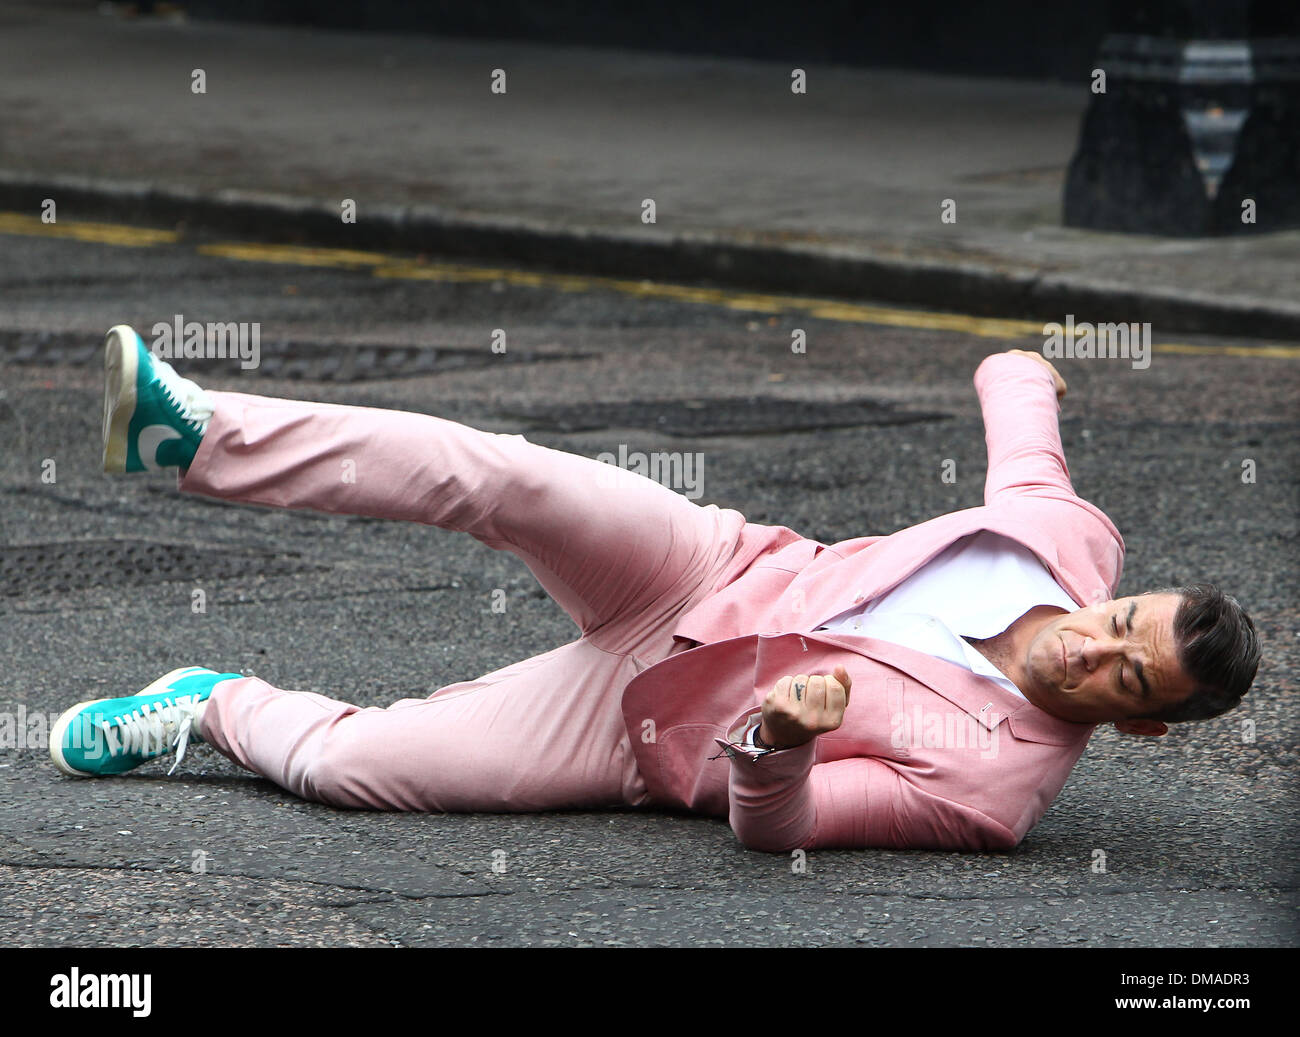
x=1154 y=728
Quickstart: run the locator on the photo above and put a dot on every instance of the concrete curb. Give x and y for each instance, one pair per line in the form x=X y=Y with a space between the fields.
x=758 y=265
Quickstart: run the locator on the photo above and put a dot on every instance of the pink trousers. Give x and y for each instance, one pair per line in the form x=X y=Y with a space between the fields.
x=624 y=557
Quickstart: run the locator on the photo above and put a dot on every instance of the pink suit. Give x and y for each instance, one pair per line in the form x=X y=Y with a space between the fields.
x=633 y=712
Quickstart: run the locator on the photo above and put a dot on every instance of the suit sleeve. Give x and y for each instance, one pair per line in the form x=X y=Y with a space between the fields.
x=1018 y=400
x=782 y=801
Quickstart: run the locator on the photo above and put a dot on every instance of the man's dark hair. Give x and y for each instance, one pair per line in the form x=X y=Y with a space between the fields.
x=1217 y=646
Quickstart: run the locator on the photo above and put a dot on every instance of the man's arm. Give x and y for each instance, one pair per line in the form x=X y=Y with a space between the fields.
x=781 y=800
x=1018 y=393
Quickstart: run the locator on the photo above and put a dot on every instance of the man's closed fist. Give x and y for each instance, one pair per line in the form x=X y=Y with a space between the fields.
x=800 y=708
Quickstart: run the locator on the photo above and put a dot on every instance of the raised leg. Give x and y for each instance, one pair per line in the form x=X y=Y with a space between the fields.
x=604 y=553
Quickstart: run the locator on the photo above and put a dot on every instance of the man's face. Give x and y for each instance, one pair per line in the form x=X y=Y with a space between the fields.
x=1109 y=662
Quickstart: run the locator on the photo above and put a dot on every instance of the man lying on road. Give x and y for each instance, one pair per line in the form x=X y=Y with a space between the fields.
x=931 y=688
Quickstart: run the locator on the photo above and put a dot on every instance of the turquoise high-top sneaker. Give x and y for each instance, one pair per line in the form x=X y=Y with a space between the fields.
x=153 y=418
x=111 y=736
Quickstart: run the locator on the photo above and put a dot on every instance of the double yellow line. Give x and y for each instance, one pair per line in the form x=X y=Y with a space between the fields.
x=383 y=265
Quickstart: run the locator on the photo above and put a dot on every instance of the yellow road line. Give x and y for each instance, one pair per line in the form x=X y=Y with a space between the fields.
x=100 y=233
x=824 y=309
x=398 y=267
x=291 y=255
x=1285 y=352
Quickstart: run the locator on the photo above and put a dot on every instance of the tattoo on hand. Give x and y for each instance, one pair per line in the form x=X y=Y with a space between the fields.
x=798 y=691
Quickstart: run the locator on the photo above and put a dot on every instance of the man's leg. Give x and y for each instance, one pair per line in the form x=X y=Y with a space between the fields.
x=546 y=733
x=634 y=550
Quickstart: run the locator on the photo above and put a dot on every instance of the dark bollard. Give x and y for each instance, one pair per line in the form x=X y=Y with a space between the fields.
x=1196 y=126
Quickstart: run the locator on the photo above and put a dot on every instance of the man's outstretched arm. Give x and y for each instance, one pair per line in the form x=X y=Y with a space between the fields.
x=1018 y=393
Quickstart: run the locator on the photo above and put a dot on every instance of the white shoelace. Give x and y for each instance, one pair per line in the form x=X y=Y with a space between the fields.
x=153 y=729
x=189 y=396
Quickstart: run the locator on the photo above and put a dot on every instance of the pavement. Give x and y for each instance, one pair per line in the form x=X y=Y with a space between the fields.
x=838 y=191
x=1188 y=841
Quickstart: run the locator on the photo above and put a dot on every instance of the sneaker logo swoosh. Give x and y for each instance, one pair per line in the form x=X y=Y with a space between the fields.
x=147 y=443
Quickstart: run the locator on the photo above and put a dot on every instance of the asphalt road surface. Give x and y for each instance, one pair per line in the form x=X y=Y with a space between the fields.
x=1188 y=840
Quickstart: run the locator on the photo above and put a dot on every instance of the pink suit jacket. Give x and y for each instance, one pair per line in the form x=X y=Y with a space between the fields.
x=929 y=755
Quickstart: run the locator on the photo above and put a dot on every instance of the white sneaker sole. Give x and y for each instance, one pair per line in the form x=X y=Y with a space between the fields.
x=120 y=369
x=60 y=726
